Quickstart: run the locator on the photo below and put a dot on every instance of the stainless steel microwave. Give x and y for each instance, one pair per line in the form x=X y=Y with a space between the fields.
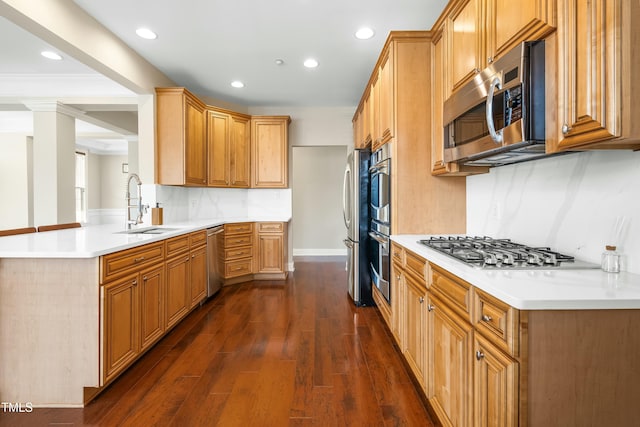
x=498 y=118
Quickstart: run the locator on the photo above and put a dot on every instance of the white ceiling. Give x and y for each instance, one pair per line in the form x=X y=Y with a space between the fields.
x=205 y=44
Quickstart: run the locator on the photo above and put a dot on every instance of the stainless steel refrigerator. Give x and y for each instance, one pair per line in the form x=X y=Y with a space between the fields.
x=356 y=218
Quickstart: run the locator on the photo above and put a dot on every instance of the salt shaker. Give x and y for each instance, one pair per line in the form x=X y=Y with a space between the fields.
x=610 y=260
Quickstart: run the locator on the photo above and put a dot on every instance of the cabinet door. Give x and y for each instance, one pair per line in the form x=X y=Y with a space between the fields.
x=240 y=152
x=151 y=306
x=397 y=303
x=596 y=89
x=496 y=381
x=414 y=327
x=218 y=148
x=195 y=144
x=270 y=253
x=464 y=36
x=385 y=97
x=178 y=301
x=507 y=26
x=198 y=276
x=121 y=327
x=451 y=367
x=270 y=150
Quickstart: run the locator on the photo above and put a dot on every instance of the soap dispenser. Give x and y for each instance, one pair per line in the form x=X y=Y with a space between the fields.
x=156 y=215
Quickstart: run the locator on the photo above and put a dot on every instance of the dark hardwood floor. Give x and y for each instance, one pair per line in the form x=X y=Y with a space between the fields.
x=295 y=353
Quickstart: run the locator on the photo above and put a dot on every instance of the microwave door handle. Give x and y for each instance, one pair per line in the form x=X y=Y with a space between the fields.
x=377 y=239
x=497 y=137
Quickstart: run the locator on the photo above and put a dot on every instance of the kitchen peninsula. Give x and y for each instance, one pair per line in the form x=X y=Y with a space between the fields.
x=85 y=303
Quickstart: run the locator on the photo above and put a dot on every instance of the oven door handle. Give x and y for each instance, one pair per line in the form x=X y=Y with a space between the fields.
x=378 y=239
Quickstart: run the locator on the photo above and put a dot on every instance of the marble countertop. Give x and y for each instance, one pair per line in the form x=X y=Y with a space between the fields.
x=540 y=289
x=96 y=240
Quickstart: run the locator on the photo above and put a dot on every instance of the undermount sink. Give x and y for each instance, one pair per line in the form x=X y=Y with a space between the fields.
x=147 y=230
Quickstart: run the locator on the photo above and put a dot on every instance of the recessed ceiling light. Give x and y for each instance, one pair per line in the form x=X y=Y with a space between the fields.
x=364 y=33
x=51 y=55
x=146 y=33
x=237 y=83
x=279 y=61
x=311 y=63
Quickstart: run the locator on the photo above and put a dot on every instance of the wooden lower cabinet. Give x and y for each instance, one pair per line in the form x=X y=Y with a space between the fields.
x=120 y=305
x=178 y=289
x=151 y=290
x=495 y=386
x=451 y=358
x=198 y=275
x=271 y=248
x=415 y=326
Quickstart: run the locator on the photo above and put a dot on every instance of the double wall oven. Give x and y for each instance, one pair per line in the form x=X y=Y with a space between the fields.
x=380 y=223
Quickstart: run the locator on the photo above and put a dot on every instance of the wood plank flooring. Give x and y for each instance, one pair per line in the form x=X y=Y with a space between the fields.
x=295 y=353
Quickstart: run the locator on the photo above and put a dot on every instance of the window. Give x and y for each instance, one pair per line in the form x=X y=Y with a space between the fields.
x=81 y=187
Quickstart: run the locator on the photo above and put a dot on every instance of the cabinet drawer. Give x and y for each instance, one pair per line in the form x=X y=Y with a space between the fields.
x=197 y=238
x=454 y=291
x=397 y=253
x=238 y=228
x=235 y=253
x=240 y=240
x=120 y=263
x=177 y=245
x=416 y=265
x=237 y=268
x=497 y=321
x=270 y=227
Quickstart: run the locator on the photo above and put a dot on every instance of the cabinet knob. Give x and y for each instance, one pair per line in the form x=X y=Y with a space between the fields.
x=398 y=277
x=476 y=70
x=421 y=299
x=430 y=307
x=144 y=278
x=490 y=60
x=566 y=129
x=479 y=355
x=135 y=283
x=487 y=318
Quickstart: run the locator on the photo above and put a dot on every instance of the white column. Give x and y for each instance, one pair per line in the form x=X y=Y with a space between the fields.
x=54 y=139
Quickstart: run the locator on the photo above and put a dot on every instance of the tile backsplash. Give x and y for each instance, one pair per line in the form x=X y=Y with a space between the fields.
x=576 y=204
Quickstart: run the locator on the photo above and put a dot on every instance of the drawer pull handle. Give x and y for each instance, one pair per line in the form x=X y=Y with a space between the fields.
x=487 y=318
x=479 y=355
x=139 y=259
x=430 y=307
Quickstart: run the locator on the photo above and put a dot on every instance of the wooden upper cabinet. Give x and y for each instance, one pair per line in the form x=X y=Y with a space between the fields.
x=385 y=97
x=597 y=91
x=218 y=144
x=507 y=26
x=464 y=34
x=240 y=152
x=181 y=149
x=270 y=151
x=228 y=138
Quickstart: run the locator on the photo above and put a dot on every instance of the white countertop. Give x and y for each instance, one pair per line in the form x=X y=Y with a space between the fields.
x=540 y=289
x=96 y=240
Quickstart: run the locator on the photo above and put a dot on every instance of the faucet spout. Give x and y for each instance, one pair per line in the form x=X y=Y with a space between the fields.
x=141 y=208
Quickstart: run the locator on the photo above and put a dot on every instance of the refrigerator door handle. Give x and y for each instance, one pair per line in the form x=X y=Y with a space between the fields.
x=348 y=243
x=346 y=195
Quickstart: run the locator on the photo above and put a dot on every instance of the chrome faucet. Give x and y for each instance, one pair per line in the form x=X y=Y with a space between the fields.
x=141 y=208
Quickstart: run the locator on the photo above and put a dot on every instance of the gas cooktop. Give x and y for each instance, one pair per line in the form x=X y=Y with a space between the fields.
x=486 y=252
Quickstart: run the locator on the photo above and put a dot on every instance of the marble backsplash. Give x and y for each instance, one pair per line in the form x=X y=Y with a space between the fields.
x=576 y=204
x=183 y=204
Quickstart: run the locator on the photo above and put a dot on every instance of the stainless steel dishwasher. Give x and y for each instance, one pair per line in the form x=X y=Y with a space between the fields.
x=214 y=237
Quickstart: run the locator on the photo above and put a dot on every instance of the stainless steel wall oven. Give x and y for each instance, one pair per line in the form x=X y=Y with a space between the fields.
x=380 y=224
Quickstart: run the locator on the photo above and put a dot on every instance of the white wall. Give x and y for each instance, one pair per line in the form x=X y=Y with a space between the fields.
x=570 y=203
x=16 y=185
x=317 y=200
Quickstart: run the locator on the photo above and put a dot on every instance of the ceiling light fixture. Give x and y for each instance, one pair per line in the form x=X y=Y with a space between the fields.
x=237 y=84
x=51 y=55
x=364 y=33
x=146 y=33
x=279 y=61
x=311 y=63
